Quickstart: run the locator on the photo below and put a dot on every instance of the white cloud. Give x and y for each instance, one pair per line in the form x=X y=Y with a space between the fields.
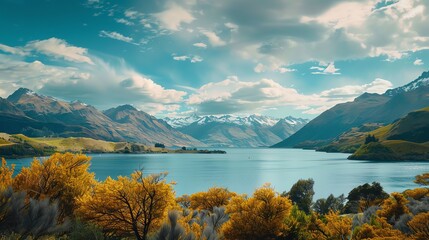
x=213 y=38
x=99 y=84
x=59 y=48
x=346 y=14
x=200 y=45
x=36 y=74
x=328 y=70
x=418 y=62
x=285 y=70
x=191 y=58
x=116 y=36
x=377 y=86
x=196 y=59
x=259 y=68
x=137 y=82
x=233 y=27
x=124 y=21
x=274 y=67
x=232 y=95
x=132 y=14
x=156 y=108
x=173 y=17
x=12 y=50
x=180 y=58
x=317 y=110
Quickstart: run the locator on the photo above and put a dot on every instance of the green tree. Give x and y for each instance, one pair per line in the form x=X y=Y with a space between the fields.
x=325 y=205
x=364 y=196
x=422 y=179
x=370 y=138
x=302 y=194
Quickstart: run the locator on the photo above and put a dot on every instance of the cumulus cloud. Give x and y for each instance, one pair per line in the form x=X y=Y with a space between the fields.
x=149 y=88
x=12 y=50
x=100 y=83
x=377 y=86
x=232 y=96
x=196 y=59
x=180 y=58
x=233 y=27
x=59 y=48
x=418 y=62
x=259 y=68
x=173 y=17
x=290 y=32
x=124 y=21
x=116 y=36
x=200 y=45
x=213 y=38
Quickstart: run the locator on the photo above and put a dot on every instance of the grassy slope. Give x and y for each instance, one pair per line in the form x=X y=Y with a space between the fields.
x=19 y=145
x=392 y=150
x=404 y=149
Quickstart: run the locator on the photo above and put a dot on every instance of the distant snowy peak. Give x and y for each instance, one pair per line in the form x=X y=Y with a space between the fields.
x=421 y=81
x=295 y=121
x=251 y=120
x=182 y=122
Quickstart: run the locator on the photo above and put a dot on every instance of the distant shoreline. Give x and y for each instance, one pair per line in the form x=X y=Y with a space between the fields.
x=20 y=146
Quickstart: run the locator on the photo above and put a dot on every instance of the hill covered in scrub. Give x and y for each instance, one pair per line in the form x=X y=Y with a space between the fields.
x=405 y=139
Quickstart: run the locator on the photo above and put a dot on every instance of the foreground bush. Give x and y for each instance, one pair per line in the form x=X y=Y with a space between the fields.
x=129 y=206
x=57 y=198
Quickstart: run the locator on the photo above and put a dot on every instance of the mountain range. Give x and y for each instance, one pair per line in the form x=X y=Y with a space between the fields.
x=33 y=114
x=367 y=108
x=237 y=131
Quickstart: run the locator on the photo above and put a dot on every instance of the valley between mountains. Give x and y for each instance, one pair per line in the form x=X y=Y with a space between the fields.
x=396 y=121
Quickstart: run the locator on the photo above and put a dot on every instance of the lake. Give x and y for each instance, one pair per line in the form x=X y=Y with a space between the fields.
x=243 y=170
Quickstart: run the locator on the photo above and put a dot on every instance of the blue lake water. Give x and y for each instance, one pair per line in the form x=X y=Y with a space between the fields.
x=243 y=170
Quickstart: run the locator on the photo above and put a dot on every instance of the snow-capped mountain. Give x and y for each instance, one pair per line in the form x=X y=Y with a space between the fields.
x=423 y=80
x=237 y=131
x=251 y=120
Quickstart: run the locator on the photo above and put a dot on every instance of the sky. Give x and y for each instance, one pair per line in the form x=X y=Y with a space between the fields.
x=178 y=57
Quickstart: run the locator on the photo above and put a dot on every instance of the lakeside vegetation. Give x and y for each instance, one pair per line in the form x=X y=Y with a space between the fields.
x=405 y=139
x=19 y=146
x=59 y=198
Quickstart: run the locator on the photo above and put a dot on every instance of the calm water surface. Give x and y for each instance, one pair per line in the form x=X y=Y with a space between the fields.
x=243 y=170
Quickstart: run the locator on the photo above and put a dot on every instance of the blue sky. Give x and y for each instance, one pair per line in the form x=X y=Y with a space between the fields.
x=173 y=58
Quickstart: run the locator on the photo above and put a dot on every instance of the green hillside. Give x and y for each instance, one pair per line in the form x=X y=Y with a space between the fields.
x=405 y=139
x=19 y=145
x=392 y=150
x=367 y=108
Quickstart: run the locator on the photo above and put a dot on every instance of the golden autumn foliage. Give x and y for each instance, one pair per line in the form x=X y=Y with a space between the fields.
x=6 y=174
x=419 y=225
x=144 y=207
x=61 y=177
x=378 y=231
x=417 y=193
x=393 y=207
x=332 y=226
x=214 y=197
x=422 y=179
x=258 y=217
x=130 y=206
